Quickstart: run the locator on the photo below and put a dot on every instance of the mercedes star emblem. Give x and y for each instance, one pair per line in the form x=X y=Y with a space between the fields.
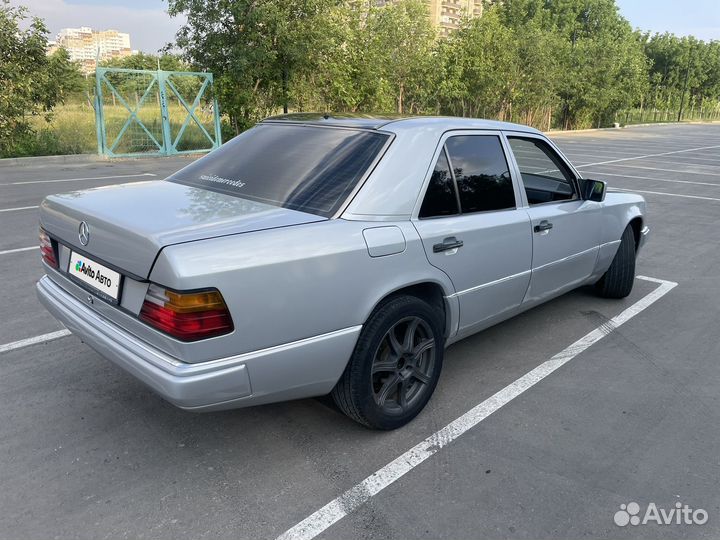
x=84 y=233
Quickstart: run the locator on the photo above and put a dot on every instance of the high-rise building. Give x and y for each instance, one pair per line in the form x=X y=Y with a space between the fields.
x=85 y=45
x=447 y=14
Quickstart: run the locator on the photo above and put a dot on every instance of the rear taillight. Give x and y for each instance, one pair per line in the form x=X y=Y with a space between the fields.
x=188 y=316
x=47 y=250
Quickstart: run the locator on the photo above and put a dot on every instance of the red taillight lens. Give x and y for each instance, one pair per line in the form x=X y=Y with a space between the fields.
x=188 y=316
x=47 y=250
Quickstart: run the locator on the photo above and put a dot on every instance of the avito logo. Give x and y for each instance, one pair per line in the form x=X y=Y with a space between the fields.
x=85 y=269
x=682 y=514
x=97 y=275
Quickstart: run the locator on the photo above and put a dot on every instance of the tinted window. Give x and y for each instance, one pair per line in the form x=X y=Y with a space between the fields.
x=440 y=198
x=481 y=172
x=544 y=176
x=311 y=169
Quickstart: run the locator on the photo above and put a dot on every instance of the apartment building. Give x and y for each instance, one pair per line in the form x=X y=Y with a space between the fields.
x=447 y=14
x=85 y=45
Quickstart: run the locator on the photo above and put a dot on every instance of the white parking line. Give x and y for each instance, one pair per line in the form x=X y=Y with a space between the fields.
x=666 y=170
x=18 y=250
x=714 y=163
x=33 y=340
x=647 y=156
x=610 y=153
x=78 y=179
x=18 y=208
x=655 y=179
x=668 y=194
x=358 y=495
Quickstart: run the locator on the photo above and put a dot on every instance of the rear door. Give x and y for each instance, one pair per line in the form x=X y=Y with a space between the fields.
x=566 y=228
x=472 y=229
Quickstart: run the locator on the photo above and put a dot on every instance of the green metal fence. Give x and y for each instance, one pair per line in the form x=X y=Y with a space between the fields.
x=159 y=113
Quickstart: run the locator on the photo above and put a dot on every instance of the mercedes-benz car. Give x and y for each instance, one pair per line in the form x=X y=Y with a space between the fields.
x=318 y=254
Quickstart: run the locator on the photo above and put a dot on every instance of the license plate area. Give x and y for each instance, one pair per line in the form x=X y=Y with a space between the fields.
x=96 y=277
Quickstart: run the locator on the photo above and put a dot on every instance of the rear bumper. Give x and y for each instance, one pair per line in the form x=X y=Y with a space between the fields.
x=304 y=368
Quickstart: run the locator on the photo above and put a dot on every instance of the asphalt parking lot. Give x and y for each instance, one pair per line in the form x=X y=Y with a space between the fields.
x=86 y=451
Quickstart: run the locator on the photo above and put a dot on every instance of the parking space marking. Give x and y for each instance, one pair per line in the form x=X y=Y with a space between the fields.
x=648 y=155
x=18 y=208
x=18 y=250
x=655 y=179
x=33 y=340
x=668 y=194
x=714 y=161
x=609 y=154
x=358 y=495
x=665 y=170
x=78 y=179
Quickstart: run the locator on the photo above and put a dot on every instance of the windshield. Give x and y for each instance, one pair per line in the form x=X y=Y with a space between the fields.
x=311 y=169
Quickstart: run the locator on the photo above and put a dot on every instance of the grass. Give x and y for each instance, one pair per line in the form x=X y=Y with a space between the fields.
x=658 y=116
x=71 y=129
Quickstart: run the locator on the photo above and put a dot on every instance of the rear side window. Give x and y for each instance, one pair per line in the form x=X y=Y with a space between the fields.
x=440 y=197
x=545 y=177
x=311 y=169
x=481 y=172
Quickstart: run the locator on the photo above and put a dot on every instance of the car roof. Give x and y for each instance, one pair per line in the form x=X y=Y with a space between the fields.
x=398 y=121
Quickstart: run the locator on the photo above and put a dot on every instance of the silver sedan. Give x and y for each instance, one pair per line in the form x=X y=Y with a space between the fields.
x=318 y=254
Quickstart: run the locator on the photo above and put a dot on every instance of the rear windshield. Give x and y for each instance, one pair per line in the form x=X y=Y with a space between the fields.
x=312 y=169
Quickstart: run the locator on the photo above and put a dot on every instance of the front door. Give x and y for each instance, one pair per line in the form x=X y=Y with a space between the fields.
x=566 y=228
x=472 y=229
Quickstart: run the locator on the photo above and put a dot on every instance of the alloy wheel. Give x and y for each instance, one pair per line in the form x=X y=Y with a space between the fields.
x=403 y=365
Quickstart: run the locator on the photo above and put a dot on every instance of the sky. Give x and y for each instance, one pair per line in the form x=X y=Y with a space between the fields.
x=700 y=18
x=150 y=27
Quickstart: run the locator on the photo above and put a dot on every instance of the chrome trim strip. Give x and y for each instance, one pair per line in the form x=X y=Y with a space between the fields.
x=489 y=284
x=568 y=258
x=524 y=273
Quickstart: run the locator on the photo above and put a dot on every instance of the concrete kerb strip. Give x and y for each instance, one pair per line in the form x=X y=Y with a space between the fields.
x=49 y=161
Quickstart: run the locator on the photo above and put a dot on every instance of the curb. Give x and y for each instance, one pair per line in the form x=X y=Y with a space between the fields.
x=650 y=124
x=42 y=161
x=51 y=160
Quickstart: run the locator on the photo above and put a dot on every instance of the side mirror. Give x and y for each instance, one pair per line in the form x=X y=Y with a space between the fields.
x=594 y=190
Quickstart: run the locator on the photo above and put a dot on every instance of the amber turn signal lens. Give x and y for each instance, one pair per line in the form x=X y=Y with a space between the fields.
x=188 y=316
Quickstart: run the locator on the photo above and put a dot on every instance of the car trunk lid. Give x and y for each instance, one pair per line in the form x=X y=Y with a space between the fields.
x=130 y=223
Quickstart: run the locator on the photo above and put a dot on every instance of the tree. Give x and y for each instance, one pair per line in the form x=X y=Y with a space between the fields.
x=596 y=61
x=254 y=47
x=401 y=38
x=479 y=62
x=572 y=63
x=31 y=83
x=141 y=60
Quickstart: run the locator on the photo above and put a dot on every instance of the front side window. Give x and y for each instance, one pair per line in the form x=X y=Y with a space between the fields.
x=311 y=169
x=545 y=177
x=481 y=172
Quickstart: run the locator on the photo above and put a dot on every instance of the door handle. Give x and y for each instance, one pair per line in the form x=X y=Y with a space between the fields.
x=449 y=243
x=544 y=225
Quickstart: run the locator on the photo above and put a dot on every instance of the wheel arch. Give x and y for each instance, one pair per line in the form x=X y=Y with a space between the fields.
x=432 y=292
x=637 y=224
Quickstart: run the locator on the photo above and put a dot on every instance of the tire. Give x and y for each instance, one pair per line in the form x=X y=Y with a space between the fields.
x=618 y=281
x=395 y=366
